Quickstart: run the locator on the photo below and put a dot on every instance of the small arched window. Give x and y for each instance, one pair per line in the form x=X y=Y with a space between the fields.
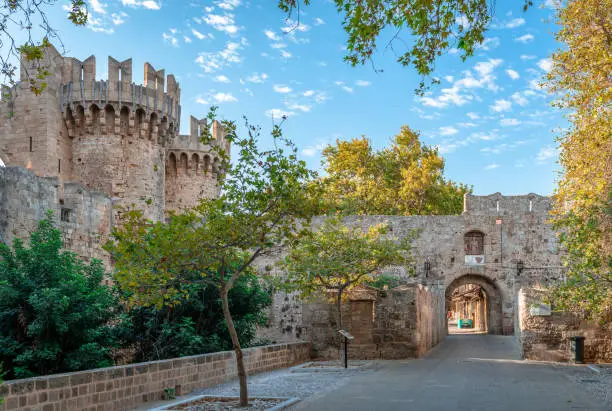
x=474 y=243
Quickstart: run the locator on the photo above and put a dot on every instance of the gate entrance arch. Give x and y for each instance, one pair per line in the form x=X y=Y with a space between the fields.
x=477 y=298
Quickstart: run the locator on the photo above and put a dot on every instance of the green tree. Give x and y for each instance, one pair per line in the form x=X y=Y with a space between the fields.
x=432 y=28
x=336 y=258
x=580 y=76
x=262 y=198
x=404 y=179
x=196 y=325
x=54 y=308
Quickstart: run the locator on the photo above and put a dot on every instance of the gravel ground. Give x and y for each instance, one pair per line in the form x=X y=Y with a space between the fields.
x=599 y=385
x=213 y=404
x=286 y=383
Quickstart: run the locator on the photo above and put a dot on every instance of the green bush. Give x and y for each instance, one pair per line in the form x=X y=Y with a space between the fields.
x=195 y=326
x=54 y=309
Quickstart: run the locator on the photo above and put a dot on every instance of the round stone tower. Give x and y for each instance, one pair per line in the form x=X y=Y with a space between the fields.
x=120 y=130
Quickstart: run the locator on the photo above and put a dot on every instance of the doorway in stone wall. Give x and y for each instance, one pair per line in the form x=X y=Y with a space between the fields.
x=473 y=306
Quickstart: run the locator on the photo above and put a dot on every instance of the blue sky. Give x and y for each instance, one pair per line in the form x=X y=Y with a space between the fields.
x=488 y=116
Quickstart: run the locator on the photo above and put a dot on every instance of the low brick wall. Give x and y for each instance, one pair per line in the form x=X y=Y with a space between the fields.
x=128 y=386
x=546 y=336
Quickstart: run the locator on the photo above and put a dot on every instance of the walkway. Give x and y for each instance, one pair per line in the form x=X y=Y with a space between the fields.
x=466 y=372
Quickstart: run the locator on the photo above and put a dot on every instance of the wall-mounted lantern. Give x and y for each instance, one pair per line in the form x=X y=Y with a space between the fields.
x=427 y=267
x=519 y=267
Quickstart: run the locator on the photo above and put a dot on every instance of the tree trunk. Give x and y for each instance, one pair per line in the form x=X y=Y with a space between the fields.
x=340 y=323
x=242 y=376
x=339 y=307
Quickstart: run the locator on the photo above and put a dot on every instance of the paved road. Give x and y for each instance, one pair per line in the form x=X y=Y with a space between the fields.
x=465 y=372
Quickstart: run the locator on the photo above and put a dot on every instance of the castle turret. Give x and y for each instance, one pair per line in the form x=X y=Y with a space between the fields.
x=192 y=168
x=114 y=135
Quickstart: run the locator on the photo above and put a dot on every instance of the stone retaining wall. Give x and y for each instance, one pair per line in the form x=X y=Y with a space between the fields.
x=545 y=335
x=128 y=386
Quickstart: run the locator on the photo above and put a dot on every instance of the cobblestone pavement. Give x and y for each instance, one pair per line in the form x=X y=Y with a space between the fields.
x=465 y=372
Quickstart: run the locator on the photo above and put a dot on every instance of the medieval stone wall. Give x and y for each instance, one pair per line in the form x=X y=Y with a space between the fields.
x=112 y=136
x=83 y=216
x=545 y=335
x=519 y=248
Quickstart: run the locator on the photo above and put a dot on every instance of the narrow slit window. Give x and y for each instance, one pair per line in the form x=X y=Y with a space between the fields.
x=31 y=146
x=65 y=214
x=59 y=166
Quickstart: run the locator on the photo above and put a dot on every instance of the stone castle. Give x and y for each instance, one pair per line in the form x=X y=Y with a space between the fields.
x=92 y=145
x=86 y=146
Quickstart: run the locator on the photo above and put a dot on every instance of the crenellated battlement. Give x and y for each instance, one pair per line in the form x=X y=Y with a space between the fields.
x=118 y=105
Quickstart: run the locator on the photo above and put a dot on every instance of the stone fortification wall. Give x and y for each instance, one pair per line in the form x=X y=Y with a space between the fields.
x=403 y=322
x=431 y=318
x=84 y=216
x=545 y=335
x=514 y=230
x=113 y=136
x=129 y=386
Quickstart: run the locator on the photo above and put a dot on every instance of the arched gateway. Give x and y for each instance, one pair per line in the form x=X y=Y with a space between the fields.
x=477 y=298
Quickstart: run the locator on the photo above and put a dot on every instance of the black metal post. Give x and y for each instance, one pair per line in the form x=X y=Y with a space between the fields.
x=345 y=352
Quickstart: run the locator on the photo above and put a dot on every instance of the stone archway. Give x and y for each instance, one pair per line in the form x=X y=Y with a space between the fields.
x=493 y=308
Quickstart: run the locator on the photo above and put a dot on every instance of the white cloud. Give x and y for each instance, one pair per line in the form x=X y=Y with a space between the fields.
x=448 y=131
x=214 y=61
x=224 y=23
x=200 y=100
x=293 y=26
x=272 y=35
x=492 y=166
x=463 y=21
x=527 y=57
x=519 y=99
x=514 y=23
x=285 y=54
x=282 y=89
x=198 y=34
x=278 y=113
x=501 y=105
x=508 y=122
x=344 y=86
x=187 y=39
x=363 y=83
x=449 y=78
x=228 y=4
x=278 y=45
x=301 y=107
x=308 y=93
x=546 y=153
x=467 y=124
x=224 y=98
x=526 y=38
x=485 y=68
x=222 y=79
x=97 y=6
x=318 y=21
x=147 y=4
x=170 y=38
x=489 y=43
x=514 y=75
x=310 y=151
x=257 y=78
x=545 y=64
x=473 y=116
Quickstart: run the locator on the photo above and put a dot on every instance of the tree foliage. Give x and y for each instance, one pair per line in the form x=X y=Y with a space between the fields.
x=262 y=198
x=30 y=17
x=581 y=78
x=404 y=179
x=336 y=258
x=196 y=325
x=426 y=28
x=54 y=309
